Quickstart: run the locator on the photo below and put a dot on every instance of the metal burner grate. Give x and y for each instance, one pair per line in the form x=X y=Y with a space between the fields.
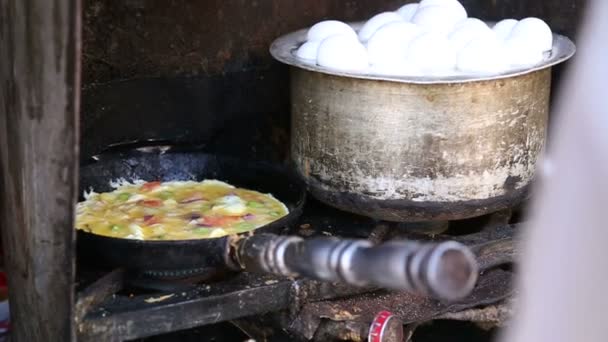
x=266 y=307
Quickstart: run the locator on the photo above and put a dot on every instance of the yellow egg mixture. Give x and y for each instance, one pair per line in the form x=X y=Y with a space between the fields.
x=178 y=210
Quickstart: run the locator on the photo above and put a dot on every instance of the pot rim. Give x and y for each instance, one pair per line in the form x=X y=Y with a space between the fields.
x=283 y=49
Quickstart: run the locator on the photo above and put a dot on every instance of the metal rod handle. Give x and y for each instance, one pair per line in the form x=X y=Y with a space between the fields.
x=446 y=270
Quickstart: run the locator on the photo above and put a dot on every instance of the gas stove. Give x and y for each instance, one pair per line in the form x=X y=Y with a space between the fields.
x=117 y=305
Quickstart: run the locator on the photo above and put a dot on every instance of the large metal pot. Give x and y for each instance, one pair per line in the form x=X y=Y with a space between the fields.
x=417 y=149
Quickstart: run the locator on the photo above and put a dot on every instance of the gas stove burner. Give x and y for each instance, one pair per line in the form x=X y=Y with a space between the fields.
x=173 y=280
x=193 y=273
x=300 y=308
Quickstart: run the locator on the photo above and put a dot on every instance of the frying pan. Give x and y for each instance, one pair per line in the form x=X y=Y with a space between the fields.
x=160 y=163
x=447 y=270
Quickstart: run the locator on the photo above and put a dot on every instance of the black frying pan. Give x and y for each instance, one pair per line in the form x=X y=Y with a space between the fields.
x=446 y=270
x=154 y=163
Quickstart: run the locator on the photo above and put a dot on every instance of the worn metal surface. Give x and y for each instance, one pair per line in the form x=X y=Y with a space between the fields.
x=124 y=318
x=493 y=287
x=497 y=314
x=494 y=253
x=487 y=317
x=39 y=104
x=97 y=292
x=120 y=316
x=412 y=152
x=445 y=270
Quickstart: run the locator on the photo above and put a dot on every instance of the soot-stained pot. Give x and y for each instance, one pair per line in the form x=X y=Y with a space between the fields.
x=417 y=149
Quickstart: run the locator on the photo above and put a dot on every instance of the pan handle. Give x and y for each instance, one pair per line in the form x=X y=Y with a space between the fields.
x=446 y=270
x=156 y=146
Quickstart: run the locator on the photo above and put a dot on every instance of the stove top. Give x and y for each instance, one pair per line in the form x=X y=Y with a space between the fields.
x=116 y=305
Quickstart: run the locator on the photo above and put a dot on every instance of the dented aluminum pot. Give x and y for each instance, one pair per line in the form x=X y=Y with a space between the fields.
x=417 y=149
x=401 y=152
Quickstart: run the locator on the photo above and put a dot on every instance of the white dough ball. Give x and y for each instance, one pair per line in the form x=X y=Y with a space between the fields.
x=440 y=19
x=432 y=53
x=467 y=30
x=407 y=12
x=455 y=5
x=324 y=29
x=342 y=52
x=535 y=30
x=504 y=27
x=523 y=52
x=427 y=3
x=379 y=20
x=472 y=23
x=391 y=41
x=483 y=55
x=308 y=51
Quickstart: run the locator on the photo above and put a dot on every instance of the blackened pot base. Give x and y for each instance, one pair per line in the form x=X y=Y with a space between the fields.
x=414 y=211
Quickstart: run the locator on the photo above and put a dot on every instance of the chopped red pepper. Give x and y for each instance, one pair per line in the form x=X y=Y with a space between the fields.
x=151 y=219
x=218 y=221
x=195 y=197
x=150 y=186
x=152 y=203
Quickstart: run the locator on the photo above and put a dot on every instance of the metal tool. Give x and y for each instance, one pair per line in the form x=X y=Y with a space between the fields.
x=446 y=270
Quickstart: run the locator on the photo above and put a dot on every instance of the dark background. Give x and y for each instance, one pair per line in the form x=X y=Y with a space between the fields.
x=200 y=71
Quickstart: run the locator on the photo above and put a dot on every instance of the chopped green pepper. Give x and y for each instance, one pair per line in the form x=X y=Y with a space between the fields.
x=253 y=204
x=165 y=195
x=124 y=196
x=244 y=226
x=115 y=227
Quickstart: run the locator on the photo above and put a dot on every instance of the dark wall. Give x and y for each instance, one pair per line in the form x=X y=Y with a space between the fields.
x=201 y=71
x=135 y=38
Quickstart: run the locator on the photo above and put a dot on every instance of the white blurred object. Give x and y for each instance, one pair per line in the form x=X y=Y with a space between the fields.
x=408 y=11
x=523 y=52
x=439 y=19
x=504 y=27
x=308 y=51
x=432 y=53
x=428 y=3
x=536 y=31
x=468 y=30
x=391 y=40
x=377 y=21
x=483 y=55
x=471 y=23
x=324 y=29
x=564 y=263
x=342 y=52
x=390 y=43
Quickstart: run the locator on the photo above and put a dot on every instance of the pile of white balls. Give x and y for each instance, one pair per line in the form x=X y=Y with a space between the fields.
x=430 y=38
